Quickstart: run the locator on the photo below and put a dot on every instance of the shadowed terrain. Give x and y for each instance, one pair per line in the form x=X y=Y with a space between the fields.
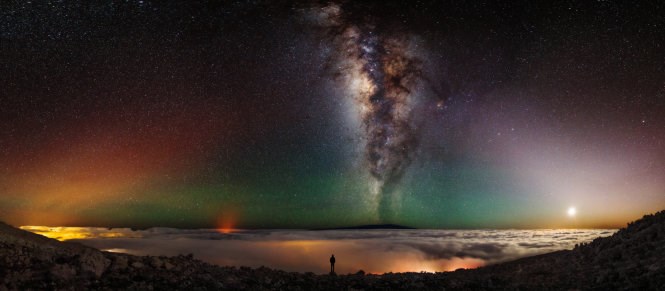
x=632 y=258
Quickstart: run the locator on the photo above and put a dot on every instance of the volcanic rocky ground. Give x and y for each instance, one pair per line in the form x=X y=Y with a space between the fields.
x=632 y=258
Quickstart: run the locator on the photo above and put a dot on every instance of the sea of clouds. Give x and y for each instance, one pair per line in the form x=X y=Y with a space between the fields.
x=375 y=251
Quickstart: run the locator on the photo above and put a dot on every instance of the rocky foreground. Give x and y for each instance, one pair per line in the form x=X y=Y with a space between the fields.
x=632 y=258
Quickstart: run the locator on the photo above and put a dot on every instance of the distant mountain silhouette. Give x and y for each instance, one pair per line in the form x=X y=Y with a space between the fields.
x=633 y=258
x=370 y=226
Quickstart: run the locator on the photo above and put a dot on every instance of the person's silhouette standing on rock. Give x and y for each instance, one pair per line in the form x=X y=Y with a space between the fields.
x=332 y=264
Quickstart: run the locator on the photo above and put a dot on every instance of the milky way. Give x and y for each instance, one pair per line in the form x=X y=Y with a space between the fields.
x=376 y=63
x=324 y=114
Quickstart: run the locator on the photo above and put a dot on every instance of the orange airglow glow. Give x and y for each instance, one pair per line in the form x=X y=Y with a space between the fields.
x=227 y=222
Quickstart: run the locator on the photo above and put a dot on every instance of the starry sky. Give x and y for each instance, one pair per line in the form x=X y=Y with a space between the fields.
x=316 y=114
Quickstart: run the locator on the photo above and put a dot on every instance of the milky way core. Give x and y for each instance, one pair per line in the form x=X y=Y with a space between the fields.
x=375 y=63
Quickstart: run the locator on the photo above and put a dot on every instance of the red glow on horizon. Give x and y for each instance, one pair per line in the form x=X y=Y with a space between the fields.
x=227 y=222
x=226 y=229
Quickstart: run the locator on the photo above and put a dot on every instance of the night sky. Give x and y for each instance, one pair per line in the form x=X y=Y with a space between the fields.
x=265 y=114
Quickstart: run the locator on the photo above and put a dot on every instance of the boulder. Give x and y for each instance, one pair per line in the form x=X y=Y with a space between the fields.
x=63 y=272
x=156 y=262
x=93 y=261
x=120 y=262
x=137 y=265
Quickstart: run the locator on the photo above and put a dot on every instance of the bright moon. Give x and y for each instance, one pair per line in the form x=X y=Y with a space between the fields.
x=572 y=211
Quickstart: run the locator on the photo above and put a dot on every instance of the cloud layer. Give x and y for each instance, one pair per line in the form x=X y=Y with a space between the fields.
x=375 y=251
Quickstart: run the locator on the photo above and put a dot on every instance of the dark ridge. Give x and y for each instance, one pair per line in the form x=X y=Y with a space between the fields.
x=369 y=226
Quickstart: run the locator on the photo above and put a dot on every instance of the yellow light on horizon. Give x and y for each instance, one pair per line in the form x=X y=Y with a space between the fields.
x=62 y=233
x=572 y=211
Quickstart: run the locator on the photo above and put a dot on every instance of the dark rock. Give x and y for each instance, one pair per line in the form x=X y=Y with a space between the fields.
x=156 y=262
x=168 y=265
x=63 y=272
x=120 y=262
x=137 y=265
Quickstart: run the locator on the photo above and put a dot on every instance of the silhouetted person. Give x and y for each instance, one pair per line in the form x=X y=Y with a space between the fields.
x=332 y=264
